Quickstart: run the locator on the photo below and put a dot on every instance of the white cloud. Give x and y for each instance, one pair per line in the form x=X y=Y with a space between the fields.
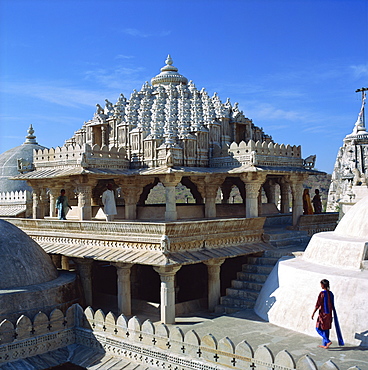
x=360 y=70
x=138 y=33
x=54 y=92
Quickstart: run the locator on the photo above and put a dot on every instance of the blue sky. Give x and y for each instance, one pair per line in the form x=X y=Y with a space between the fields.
x=293 y=66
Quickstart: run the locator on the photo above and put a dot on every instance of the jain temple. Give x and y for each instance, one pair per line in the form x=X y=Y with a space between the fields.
x=72 y=291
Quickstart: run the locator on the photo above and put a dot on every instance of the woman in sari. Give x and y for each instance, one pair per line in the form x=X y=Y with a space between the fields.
x=307 y=205
x=325 y=305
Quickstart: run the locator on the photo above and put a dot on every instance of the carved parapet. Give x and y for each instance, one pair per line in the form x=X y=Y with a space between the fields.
x=140 y=342
x=317 y=223
x=15 y=197
x=259 y=153
x=81 y=155
x=146 y=235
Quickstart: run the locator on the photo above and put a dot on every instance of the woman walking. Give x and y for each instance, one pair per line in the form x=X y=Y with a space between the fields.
x=325 y=305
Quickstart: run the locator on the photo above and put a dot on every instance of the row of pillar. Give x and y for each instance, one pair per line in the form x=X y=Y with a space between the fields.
x=207 y=185
x=167 y=289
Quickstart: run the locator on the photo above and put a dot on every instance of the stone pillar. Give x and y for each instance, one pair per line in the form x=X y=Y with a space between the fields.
x=54 y=193
x=167 y=301
x=124 y=293
x=43 y=202
x=36 y=207
x=170 y=181
x=65 y=263
x=226 y=190
x=84 y=202
x=285 y=201
x=297 y=194
x=214 y=286
x=84 y=267
x=103 y=136
x=251 y=204
x=130 y=201
x=253 y=183
x=269 y=188
x=210 y=201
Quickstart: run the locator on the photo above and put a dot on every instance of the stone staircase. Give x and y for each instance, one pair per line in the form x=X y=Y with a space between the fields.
x=245 y=289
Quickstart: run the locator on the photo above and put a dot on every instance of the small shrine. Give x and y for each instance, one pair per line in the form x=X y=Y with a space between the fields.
x=350 y=176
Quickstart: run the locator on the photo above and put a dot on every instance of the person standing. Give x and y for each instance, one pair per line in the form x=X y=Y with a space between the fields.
x=325 y=305
x=62 y=205
x=317 y=203
x=108 y=200
x=307 y=205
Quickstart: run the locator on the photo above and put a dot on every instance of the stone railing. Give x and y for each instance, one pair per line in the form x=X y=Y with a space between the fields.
x=141 y=343
x=15 y=197
x=260 y=153
x=317 y=223
x=153 y=236
x=81 y=155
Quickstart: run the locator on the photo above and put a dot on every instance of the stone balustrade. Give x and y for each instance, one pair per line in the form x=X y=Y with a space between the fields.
x=142 y=343
x=81 y=155
x=179 y=236
x=317 y=223
x=15 y=197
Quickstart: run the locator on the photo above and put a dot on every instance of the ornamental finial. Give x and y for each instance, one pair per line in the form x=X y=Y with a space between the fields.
x=30 y=138
x=168 y=60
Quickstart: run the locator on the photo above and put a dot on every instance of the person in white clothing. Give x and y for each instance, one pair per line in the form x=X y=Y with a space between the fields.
x=108 y=200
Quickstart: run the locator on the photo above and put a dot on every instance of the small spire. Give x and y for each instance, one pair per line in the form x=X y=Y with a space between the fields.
x=30 y=138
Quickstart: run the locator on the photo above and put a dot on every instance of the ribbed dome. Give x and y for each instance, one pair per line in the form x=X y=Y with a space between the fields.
x=169 y=74
x=23 y=262
x=9 y=165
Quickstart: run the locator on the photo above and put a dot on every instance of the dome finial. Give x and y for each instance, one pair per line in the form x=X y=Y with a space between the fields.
x=169 y=75
x=30 y=138
x=169 y=60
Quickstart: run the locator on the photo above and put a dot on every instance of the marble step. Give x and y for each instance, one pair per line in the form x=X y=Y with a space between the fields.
x=239 y=284
x=261 y=269
x=252 y=277
x=269 y=261
x=249 y=294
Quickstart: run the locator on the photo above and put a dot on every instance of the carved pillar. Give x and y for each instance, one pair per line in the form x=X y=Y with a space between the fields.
x=210 y=201
x=270 y=189
x=285 y=201
x=296 y=185
x=170 y=181
x=167 y=301
x=54 y=193
x=84 y=267
x=36 y=200
x=226 y=190
x=103 y=136
x=253 y=183
x=124 y=293
x=84 y=201
x=130 y=192
x=214 y=286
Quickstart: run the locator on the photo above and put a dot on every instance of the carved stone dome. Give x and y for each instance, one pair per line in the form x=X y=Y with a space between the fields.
x=9 y=163
x=169 y=74
x=23 y=262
